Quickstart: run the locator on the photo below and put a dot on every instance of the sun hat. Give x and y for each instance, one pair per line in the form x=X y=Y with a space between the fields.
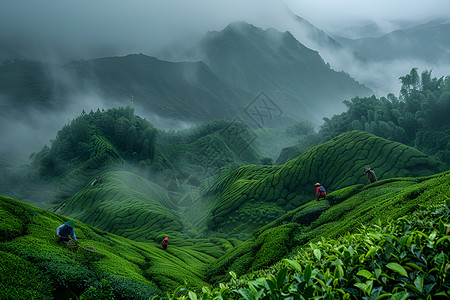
x=70 y=224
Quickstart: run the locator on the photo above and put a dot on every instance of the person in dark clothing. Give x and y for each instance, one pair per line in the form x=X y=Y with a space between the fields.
x=165 y=242
x=65 y=232
x=370 y=175
x=320 y=192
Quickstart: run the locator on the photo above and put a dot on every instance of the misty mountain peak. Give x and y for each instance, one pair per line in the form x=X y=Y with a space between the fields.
x=240 y=27
x=254 y=59
x=241 y=36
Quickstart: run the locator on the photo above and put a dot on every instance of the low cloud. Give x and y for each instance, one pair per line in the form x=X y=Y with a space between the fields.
x=338 y=17
x=60 y=30
x=381 y=76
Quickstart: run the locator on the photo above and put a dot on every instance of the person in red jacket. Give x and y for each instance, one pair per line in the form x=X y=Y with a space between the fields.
x=165 y=242
x=320 y=192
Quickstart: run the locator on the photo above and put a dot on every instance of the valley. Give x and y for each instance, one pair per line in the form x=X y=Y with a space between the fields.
x=218 y=147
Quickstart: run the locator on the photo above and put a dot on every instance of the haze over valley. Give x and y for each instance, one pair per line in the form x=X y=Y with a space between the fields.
x=285 y=149
x=49 y=34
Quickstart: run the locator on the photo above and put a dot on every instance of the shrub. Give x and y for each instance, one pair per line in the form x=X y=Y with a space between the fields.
x=21 y=279
x=405 y=258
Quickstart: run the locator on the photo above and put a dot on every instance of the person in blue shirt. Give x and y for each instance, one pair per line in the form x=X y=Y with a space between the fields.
x=66 y=230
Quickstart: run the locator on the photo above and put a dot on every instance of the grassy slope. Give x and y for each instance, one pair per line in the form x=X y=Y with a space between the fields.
x=398 y=258
x=106 y=157
x=336 y=164
x=35 y=265
x=345 y=211
x=28 y=247
x=126 y=204
x=137 y=208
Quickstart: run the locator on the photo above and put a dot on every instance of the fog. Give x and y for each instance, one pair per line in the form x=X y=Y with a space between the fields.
x=60 y=31
x=26 y=137
x=348 y=16
x=103 y=27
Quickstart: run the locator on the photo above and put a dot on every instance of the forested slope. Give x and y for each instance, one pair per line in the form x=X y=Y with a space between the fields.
x=418 y=117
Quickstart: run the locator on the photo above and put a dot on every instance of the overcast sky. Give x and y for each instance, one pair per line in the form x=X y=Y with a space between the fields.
x=332 y=15
x=77 y=29
x=143 y=25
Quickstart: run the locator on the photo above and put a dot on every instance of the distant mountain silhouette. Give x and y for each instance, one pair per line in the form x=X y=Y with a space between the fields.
x=429 y=42
x=314 y=35
x=178 y=90
x=185 y=90
x=231 y=72
x=295 y=77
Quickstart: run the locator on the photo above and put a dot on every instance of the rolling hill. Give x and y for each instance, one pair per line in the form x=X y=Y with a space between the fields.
x=345 y=211
x=242 y=221
x=35 y=265
x=117 y=139
x=149 y=182
x=163 y=193
x=245 y=222
x=125 y=204
x=260 y=193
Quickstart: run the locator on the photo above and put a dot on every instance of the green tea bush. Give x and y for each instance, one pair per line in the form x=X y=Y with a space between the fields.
x=309 y=214
x=11 y=226
x=274 y=244
x=404 y=258
x=103 y=291
x=338 y=163
x=344 y=193
x=125 y=288
x=21 y=279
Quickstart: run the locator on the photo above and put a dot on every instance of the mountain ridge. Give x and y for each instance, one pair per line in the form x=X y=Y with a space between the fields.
x=255 y=60
x=428 y=42
x=243 y=62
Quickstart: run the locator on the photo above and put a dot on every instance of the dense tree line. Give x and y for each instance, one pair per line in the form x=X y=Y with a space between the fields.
x=131 y=135
x=419 y=117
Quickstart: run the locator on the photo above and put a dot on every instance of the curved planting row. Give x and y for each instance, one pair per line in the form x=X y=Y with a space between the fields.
x=35 y=266
x=126 y=204
x=105 y=156
x=354 y=207
x=337 y=163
